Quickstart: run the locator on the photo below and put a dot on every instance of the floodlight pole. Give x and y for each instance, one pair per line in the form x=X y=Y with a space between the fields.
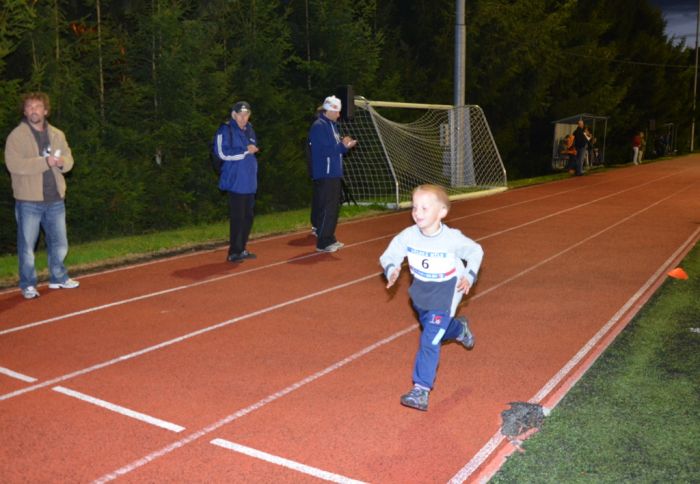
x=458 y=114
x=695 y=84
x=460 y=54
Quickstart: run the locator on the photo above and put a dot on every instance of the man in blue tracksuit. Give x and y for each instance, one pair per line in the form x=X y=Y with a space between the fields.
x=327 y=150
x=235 y=144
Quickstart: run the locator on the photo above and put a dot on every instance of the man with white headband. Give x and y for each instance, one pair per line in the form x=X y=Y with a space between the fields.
x=327 y=149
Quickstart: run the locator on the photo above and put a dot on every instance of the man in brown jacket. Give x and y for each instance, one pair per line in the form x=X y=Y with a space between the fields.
x=37 y=155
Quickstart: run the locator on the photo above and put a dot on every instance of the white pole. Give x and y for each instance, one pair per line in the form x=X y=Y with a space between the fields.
x=695 y=84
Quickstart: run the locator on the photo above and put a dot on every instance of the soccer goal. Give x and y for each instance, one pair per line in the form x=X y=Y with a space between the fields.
x=412 y=144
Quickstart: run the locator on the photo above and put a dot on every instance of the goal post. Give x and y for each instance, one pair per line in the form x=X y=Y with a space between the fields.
x=410 y=144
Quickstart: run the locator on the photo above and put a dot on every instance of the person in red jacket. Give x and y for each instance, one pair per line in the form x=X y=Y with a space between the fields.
x=636 y=145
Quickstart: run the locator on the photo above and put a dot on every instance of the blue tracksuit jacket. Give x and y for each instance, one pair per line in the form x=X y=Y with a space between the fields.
x=239 y=172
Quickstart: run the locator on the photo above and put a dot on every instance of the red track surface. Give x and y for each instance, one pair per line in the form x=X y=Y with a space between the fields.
x=301 y=357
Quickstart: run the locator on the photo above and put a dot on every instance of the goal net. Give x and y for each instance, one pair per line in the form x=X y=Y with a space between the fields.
x=421 y=143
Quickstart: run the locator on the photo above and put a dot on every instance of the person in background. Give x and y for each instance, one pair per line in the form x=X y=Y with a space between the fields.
x=37 y=156
x=570 y=153
x=444 y=264
x=235 y=144
x=636 y=144
x=581 y=145
x=589 y=147
x=327 y=149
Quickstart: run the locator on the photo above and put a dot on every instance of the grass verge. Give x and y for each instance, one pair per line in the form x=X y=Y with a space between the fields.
x=102 y=254
x=634 y=416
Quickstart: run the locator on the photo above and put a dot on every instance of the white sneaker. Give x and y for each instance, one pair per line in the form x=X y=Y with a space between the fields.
x=30 y=292
x=333 y=247
x=330 y=248
x=67 y=284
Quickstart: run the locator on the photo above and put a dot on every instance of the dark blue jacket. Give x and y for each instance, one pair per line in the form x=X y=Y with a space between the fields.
x=326 y=149
x=239 y=171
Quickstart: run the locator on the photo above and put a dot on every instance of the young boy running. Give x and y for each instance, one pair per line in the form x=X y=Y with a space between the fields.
x=436 y=257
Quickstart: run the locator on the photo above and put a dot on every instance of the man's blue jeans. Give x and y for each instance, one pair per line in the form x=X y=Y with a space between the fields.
x=580 y=155
x=31 y=217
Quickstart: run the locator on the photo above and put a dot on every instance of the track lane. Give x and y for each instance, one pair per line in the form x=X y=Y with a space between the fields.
x=157 y=314
x=529 y=312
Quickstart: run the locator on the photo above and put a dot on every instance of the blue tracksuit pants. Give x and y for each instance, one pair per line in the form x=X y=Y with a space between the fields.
x=438 y=327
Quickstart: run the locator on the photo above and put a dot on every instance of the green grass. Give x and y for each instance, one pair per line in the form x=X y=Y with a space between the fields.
x=635 y=415
x=100 y=254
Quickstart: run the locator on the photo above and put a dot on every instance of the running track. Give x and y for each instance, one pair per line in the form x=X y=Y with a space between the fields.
x=289 y=368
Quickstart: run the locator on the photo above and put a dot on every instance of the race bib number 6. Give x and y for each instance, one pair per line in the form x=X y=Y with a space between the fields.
x=431 y=265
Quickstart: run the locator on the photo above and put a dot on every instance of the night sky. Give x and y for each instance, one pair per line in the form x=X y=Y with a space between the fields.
x=681 y=18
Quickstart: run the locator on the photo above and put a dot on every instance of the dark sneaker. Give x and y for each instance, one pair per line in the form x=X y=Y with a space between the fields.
x=467 y=338
x=417 y=398
x=235 y=257
x=241 y=256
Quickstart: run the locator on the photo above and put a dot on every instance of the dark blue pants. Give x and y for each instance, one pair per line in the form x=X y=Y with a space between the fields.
x=325 y=209
x=438 y=327
x=240 y=213
x=580 y=153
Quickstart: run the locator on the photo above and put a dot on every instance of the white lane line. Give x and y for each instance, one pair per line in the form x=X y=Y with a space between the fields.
x=251 y=408
x=309 y=296
x=185 y=337
x=577 y=244
x=493 y=443
x=281 y=461
x=556 y=379
x=296 y=259
x=181 y=443
x=150 y=295
x=561 y=212
x=120 y=410
x=16 y=375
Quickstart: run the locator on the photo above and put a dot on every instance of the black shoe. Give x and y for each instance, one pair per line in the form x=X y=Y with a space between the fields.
x=240 y=257
x=235 y=258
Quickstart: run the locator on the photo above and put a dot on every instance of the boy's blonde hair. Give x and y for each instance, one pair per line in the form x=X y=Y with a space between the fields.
x=436 y=190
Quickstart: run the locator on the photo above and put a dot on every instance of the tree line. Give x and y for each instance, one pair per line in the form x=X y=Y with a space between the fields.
x=139 y=87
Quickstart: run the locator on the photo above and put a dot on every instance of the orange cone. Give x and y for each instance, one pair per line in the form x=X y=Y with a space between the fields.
x=678 y=273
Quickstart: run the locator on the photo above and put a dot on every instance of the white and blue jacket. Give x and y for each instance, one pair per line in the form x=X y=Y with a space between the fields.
x=239 y=171
x=327 y=149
